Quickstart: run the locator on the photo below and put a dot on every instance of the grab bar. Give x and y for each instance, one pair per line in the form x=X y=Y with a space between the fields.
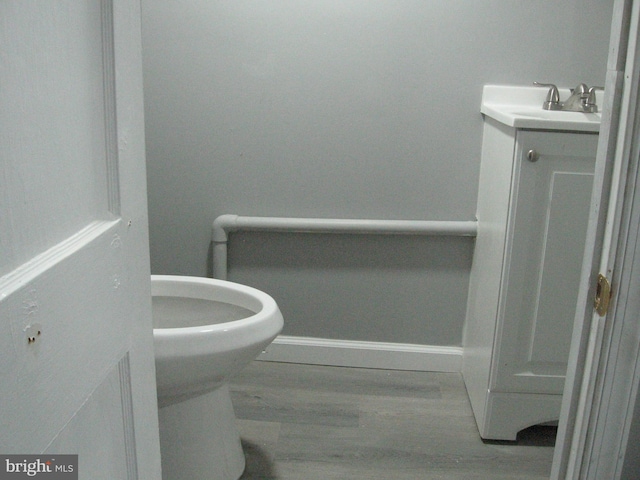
x=225 y=224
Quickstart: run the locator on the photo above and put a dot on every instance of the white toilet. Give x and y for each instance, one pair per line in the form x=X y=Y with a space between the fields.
x=204 y=331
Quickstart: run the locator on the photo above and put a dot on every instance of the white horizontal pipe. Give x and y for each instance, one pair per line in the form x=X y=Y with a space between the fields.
x=225 y=224
x=232 y=223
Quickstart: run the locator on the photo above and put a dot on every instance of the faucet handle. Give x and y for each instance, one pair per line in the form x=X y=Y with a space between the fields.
x=552 y=102
x=591 y=99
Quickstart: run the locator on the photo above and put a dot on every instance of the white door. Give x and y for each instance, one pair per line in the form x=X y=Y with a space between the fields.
x=76 y=348
x=584 y=407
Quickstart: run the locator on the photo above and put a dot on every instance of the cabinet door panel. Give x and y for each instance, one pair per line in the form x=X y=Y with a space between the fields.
x=562 y=249
x=547 y=225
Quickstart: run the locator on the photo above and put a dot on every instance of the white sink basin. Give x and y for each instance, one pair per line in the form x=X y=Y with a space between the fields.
x=521 y=107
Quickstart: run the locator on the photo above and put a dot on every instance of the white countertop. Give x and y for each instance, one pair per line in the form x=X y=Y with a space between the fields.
x=521 y=107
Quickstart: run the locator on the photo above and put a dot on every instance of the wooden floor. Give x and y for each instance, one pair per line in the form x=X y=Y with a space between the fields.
x=304 y=422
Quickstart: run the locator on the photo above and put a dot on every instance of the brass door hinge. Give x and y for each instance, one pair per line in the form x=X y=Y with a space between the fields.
x=603 y=295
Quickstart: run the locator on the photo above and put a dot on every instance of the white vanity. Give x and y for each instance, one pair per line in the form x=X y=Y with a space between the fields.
x=533 y=206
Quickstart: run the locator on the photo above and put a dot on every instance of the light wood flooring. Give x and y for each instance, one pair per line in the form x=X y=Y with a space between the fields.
x=306 y=422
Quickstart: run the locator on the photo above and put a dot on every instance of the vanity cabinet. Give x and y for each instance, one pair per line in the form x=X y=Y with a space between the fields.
x=533 y=208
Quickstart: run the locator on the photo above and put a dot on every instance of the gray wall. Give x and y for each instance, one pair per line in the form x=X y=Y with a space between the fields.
x=341 y=109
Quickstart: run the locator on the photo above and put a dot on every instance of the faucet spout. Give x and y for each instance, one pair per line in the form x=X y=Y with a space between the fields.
x=577 y=102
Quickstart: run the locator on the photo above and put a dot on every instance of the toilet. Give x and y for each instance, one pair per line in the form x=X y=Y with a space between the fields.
x=204 y=331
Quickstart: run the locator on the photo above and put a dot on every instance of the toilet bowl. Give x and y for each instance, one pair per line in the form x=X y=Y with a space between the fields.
x=204 y=330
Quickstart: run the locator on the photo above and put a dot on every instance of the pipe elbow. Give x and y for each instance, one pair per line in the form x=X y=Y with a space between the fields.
x=222 y=225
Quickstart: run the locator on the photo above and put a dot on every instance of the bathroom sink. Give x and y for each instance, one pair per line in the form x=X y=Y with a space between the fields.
x=521 y=107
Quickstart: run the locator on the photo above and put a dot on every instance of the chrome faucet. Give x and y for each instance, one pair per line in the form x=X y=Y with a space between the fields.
x=582 y=99
x=577 y=100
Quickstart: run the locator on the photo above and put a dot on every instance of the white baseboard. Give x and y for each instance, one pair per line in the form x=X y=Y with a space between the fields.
x=350 y=353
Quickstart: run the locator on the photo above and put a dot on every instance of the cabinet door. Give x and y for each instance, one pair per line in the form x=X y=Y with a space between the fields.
x=545 y=242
